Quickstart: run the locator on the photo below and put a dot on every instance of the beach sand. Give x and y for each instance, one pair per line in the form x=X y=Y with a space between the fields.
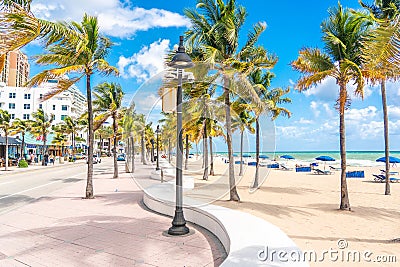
x=306 y=207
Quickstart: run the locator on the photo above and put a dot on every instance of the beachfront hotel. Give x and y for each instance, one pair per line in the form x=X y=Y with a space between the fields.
x=16 y=69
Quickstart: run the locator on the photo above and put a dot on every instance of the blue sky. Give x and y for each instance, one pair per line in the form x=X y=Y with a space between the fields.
x=144 y=30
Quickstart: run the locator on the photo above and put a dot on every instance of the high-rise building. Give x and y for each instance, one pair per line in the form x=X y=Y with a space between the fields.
x=16 y=70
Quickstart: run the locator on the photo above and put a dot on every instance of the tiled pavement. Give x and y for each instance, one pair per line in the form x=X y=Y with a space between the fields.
x=114 y=229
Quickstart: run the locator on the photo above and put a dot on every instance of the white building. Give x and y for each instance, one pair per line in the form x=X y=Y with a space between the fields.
x=20 y=102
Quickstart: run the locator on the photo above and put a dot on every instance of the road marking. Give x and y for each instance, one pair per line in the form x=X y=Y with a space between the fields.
x=7 y=182
x=30 y=189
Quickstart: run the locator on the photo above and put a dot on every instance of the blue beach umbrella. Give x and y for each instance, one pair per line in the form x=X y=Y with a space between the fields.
x=286 y=157
x=263 y=157
x=391 y=160
x=246 y=156
x=325 y=158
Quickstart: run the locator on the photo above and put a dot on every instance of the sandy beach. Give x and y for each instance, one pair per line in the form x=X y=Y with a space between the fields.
x=306 y=207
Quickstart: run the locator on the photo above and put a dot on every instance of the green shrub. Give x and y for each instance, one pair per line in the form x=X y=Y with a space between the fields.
x=22 y=164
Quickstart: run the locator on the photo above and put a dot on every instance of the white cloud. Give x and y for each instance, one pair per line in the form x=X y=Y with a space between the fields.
x=393 y=92
x=314 y=108
x=327 y=90
x=116 y=18
x=394 y=112
x=366 y=114
x=304 y=121
x=146 y=63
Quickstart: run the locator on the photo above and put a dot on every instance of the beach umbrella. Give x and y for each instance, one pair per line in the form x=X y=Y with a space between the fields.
x=246 y=156
x=286 y=157
x=263 y=157
x=391 y=160
x=325 y=158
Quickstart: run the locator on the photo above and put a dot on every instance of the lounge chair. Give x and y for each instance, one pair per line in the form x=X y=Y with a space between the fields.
x=318 y=171
x=382 y=178
x=391 y=173
x=284 y=168
x=334 y=168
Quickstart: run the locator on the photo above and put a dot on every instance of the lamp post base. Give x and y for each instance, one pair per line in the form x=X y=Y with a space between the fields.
x=178 y=224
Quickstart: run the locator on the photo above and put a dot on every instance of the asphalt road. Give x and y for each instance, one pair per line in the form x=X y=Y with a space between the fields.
x=18 y=189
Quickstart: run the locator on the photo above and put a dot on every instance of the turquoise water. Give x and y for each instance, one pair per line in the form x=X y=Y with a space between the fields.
x=356 y=158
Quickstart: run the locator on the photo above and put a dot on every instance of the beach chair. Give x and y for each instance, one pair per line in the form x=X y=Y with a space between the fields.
x=394 y=179
x=391 y=172
x=284 y=168
x=379 y=177
x=334 y=168
x=319 y=171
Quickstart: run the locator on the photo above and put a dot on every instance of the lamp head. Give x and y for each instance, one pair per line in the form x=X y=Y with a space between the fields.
x=181 y=60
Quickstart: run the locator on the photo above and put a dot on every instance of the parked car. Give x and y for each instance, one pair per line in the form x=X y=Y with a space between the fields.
x=121 y=157
x=96 y=159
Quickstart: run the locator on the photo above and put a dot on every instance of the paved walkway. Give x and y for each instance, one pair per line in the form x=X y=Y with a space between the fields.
x=114 y=229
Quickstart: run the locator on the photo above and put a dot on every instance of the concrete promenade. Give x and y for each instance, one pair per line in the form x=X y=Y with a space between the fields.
x=114 y=229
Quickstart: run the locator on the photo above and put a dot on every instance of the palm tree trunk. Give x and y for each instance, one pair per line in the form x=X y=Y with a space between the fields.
x=187 y=152
x=44 y=149
x=89 y=183
x=144 y=161
x=115 y=128
x=6 y=157
x=133 y=153
x=241 y=153
x=205 y=175
x=23 y=145
x=169 y=150
x=256 y=176
x=109 y=146
x=211 y=158
x=344 y=196
x=386 y=136
x=232 y=182
x=128 y=154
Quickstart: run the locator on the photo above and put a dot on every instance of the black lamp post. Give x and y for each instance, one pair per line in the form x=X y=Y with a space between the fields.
x=180 y=61
x=158 y=164
x=152 y=150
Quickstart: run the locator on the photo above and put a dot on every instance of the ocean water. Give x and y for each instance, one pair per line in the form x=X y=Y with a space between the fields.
x=354 y=158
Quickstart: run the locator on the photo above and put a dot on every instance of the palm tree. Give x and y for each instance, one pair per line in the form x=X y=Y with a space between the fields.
x=7 y=127
x=342 y=35
x=60 y=139
x=41 y=126
x=242 y=120
x=22 y=127
x=215 y=36
x=140 y=125
x=129 y=135
x=76 y=48
x=272 y=98
x=108 y=103
x=381 y=68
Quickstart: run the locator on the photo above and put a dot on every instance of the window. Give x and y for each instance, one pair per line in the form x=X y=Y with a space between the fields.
x=40 y=96
x=25 y=116
x=12 y=116
x=27 y=106
x=54 y=107
x=64 y=107
x=63 y=117
x=27 y=96
x=11 y=105
x=40 y=106
x=11 y=95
